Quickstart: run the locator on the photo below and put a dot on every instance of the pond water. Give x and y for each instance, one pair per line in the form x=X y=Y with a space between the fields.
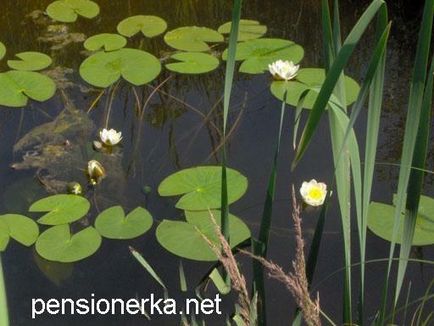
x=179 y=128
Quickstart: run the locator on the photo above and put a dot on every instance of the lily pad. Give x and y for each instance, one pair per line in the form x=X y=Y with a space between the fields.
x=4 y=235
x=113 y=224
x=106 y=41
x=21 y=228
x=192 y=38
x=57 y=244
x=248 y=29
x=257 y=54
x=380 y=222
x=30 y=61
x=2 y=50
x=61 y=209
x=201 y=187
x=67 y=11
x=193 y=63
x=104 y=68
x=310 y=79
x=150 y=26
x=185 y=239
x=17 y=86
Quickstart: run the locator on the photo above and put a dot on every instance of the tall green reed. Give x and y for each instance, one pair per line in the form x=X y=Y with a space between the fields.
x=413 y=152
x=4 y=316
x=344 y=144
x=229 y=75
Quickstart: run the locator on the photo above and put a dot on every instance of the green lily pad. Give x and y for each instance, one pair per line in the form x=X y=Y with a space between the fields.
x=61 y=209
x=192 y=38
x=380 y=222
x=4 y=235
x=150 y=26
x=193 y=63
x=185 y=239
x=201 y=187
x=17 y=86
x=113 y=224
x=30 y=61
x=57 y=244
x=104 y=68
x=257 y=54
x=67 y=11
x=21 y=228
x=310 y=79
x=248 y=29
x=106 y=41
x=2 y=50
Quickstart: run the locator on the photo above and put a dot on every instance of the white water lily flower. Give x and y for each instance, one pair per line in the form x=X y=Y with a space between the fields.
x=285 y=70
x=313 y=192
x=110 y=137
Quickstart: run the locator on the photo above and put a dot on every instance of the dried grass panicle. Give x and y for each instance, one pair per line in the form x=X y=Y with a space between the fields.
x=296 y=280
x=224 y=253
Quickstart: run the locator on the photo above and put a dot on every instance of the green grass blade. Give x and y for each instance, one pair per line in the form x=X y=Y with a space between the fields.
x=229 y=76
x=4 y=317
x=333 y=75
x=182 y=278
x=328 y=47
x=411 y=129
x=372 y=131
x=416 y=177
x=222 y=286
x=350 y=142
x=337 y=39
x=407 y=300
x=261 y=245
x=148 y=268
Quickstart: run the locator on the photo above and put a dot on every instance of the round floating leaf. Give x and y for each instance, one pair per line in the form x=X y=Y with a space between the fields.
x=4 y=235
x=104 y=68
x=61 y=209
x=30 y=61
x=259 y=53
x=57 y=244
x=201 y=187
x=108 y=41
x=2 y=50
x=113 y=224
x=16 y=86
x=185 y=239
x=381 y=221
x=248 y=29
x=193 y=63
x=150 y=26
x=21 y=228
x=192 y=38
x=310 y=79
x=67 y=11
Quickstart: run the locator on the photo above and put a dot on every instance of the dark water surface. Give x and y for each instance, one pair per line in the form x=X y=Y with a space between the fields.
x=174 y=134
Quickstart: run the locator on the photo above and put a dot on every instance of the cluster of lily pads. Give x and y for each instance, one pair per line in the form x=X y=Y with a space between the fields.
x=24 y=81
x=62 y=213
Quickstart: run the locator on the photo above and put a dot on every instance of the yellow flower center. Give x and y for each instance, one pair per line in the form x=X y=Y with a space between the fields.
x=315 y=193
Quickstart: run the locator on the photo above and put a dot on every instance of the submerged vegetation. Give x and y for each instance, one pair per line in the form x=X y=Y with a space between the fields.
x=67 y=223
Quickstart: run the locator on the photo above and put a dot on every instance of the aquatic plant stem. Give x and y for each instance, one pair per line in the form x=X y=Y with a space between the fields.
x=4 y=316
x=110 y=100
